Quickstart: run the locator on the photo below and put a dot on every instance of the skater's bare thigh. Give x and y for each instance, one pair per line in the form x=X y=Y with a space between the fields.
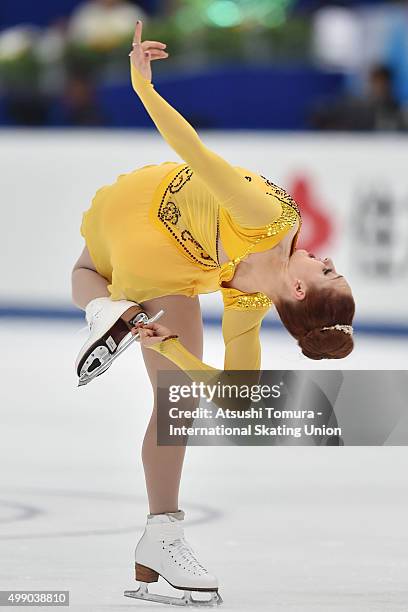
x=182 y=315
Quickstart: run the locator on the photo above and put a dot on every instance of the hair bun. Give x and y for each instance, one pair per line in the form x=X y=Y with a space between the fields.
x=326 y=344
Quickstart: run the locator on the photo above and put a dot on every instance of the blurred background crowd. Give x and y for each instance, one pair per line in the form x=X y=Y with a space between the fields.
x=264 y=64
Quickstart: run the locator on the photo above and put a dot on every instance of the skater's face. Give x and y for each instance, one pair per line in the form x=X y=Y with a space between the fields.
x=305 y=271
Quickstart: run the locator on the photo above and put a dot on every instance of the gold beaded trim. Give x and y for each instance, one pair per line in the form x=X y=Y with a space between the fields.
x=253 y=301
x=288 y=218
x=217 y=238
x=282 y=195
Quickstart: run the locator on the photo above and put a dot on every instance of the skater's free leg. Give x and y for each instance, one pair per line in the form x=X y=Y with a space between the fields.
x=88 y=284
x=163 y=464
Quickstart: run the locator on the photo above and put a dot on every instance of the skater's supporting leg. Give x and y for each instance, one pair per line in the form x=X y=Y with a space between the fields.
x=163 y=551
x=163 y=464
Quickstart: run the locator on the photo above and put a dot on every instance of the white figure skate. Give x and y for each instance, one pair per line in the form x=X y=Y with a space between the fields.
x=163 y=551
x=109 y=335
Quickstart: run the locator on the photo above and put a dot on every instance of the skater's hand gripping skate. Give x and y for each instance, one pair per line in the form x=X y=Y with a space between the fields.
x=151 y=333
x=109 y=335
x=143 y=53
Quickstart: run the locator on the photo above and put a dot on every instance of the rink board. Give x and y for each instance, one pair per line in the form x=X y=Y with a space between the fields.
x=352 y=190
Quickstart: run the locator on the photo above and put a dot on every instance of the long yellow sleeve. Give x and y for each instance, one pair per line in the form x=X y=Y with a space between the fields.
x=196 y=369
x=240 y=330
x=247 y=205
x=241 y=325
x=200 y=372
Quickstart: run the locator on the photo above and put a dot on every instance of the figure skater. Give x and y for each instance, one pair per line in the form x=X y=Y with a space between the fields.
x=155 y=240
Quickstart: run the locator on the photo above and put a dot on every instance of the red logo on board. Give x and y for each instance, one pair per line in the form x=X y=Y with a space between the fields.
x=317 y=226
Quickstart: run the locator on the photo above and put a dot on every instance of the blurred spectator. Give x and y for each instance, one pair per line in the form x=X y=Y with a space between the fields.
x=377 y=110
x=397 y=54
x=104 y=24
x=386 y=112
x=24 y=101
x=337 y=40
x=80 y=106
x=26 y=108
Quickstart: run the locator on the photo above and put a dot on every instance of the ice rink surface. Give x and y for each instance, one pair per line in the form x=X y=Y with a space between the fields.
x=286 y=529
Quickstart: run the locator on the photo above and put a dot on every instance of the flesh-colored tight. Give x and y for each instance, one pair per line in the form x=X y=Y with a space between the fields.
x=162 y=464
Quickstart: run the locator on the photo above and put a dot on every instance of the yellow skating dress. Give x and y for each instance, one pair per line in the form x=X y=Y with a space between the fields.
x=155 y=232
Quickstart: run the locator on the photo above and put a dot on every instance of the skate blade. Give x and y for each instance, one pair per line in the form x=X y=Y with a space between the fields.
x=187 y=599
x=87 y=377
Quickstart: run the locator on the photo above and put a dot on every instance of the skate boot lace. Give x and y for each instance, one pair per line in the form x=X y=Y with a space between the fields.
x=182 y=554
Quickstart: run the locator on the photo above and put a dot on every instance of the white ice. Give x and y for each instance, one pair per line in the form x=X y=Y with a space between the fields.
x=295 y=529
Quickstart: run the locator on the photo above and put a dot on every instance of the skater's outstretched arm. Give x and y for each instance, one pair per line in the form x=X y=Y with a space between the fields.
x=242 y=350
x=241 y=337
x=247 y=205
x=200 y=372
x=240 y=330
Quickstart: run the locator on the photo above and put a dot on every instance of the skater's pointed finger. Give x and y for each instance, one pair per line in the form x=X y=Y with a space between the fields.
x=137 y=38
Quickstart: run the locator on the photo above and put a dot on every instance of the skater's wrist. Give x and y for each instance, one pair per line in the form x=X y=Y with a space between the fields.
x=175 y=351
x=139 y=81
x=165 y=343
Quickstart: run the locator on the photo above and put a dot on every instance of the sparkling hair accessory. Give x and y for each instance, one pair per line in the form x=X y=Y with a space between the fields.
x=347 y=329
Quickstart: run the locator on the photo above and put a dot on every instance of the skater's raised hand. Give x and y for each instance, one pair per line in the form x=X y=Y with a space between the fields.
x=143 y=53
x=151 y=333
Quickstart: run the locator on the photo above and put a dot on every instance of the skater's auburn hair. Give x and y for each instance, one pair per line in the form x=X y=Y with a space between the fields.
x=305 y=320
